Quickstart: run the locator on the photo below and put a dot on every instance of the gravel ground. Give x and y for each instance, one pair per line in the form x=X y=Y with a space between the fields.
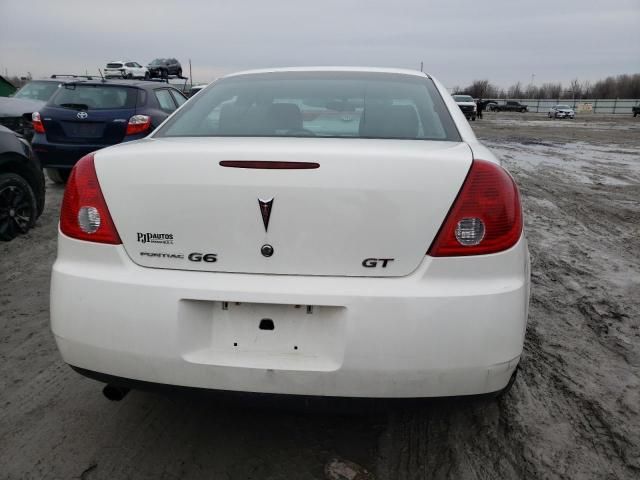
x=573 y=412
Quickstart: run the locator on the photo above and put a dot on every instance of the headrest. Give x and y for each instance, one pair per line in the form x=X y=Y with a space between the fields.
x=389 y=121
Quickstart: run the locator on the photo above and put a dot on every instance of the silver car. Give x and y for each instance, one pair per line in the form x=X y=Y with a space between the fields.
x=562 y=111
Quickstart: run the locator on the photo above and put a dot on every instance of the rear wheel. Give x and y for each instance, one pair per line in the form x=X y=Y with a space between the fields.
x=146 y=75
x=509 y=386
x=179 y=72
x=18 y=206
x=57 y=175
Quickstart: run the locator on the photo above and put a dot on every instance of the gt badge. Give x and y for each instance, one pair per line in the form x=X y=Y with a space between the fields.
x=265 y=210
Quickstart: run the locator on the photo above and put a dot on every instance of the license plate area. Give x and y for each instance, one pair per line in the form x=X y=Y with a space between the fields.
x=262 y=335
x=83 y=130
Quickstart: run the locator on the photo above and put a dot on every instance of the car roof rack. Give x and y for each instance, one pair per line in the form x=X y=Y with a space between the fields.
x=171 y=77
x=65 y=75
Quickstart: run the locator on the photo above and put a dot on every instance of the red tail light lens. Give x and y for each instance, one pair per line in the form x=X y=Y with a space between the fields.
x=485 y=218
x=84 y=213
x=138 y=124
x=36 y=121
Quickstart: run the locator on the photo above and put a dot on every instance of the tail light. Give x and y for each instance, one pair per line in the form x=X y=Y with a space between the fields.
x=84 y=213
x=36 y=121
x=138 y=124
x=485 y=218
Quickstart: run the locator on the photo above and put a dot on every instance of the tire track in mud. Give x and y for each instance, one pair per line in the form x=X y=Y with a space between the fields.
x=574 y=410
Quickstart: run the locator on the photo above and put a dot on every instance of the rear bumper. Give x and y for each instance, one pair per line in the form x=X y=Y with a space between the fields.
x=65 y=155
x=455 y=326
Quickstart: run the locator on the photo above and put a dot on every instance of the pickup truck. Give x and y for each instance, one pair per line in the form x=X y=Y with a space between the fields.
x=510 y=106
x=636 y=110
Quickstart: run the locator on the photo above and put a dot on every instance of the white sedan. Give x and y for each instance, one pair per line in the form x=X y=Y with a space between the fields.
x=313 y=231
x=561 y=111
x=125 y=69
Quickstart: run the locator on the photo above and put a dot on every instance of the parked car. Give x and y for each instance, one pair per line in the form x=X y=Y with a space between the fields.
x=122 y=69
x=84 y=116
x=467 y=105
x=164 y=67
x=21 y=186
x=561 y=111
x=510 y=106
x=489 y=105
x=246 y=246
x=196 y=88
x=635 y=110
x=15 y=112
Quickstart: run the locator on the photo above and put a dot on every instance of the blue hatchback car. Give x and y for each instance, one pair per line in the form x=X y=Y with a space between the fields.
x=87 y=115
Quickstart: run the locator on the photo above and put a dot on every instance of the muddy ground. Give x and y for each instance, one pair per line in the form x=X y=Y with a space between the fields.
x=573 y=412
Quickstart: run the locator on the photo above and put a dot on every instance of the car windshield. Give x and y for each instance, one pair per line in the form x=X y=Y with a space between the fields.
x=563 y=107
x=95 y=97
x=114 y=65
x=37 y=91
x=316 y=104
x=158 y=61
x=462 y=98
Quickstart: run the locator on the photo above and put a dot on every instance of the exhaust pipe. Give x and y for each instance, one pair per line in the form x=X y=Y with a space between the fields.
x=114 y=393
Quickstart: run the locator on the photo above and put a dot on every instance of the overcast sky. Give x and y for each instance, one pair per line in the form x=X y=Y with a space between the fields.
x=502 y=40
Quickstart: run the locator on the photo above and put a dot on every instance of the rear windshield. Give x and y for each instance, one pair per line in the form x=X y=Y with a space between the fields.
x=37 y=90
x=114 y=65
x=316 y=104
x=95 y=97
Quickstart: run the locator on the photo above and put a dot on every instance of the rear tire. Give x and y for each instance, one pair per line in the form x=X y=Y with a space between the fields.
x=509 y=385
x=180 y=72
x=18 y=206
x=57 y=175
x=146 y=75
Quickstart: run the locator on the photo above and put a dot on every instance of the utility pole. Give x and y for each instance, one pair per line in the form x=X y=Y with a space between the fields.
x=190 y=75
x=422 y=66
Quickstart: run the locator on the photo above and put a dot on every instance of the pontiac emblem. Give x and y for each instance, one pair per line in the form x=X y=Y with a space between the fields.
x=265 y=210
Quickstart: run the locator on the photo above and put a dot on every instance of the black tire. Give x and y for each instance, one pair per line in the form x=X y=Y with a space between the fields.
x=146 y=75
x=509 y=385
x=57 y=175
x=179 y=72
x=18 y=206
x=473 y=118
x=164 y=73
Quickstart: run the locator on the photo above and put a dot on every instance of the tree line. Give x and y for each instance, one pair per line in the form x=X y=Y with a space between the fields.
x=621 y=86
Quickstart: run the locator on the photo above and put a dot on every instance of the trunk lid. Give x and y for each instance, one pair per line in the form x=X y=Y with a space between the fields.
x=86 y=113
x=369 y=200
x=99 y=127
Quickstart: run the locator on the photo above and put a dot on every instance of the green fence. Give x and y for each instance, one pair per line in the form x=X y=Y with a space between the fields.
x=583 y=105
